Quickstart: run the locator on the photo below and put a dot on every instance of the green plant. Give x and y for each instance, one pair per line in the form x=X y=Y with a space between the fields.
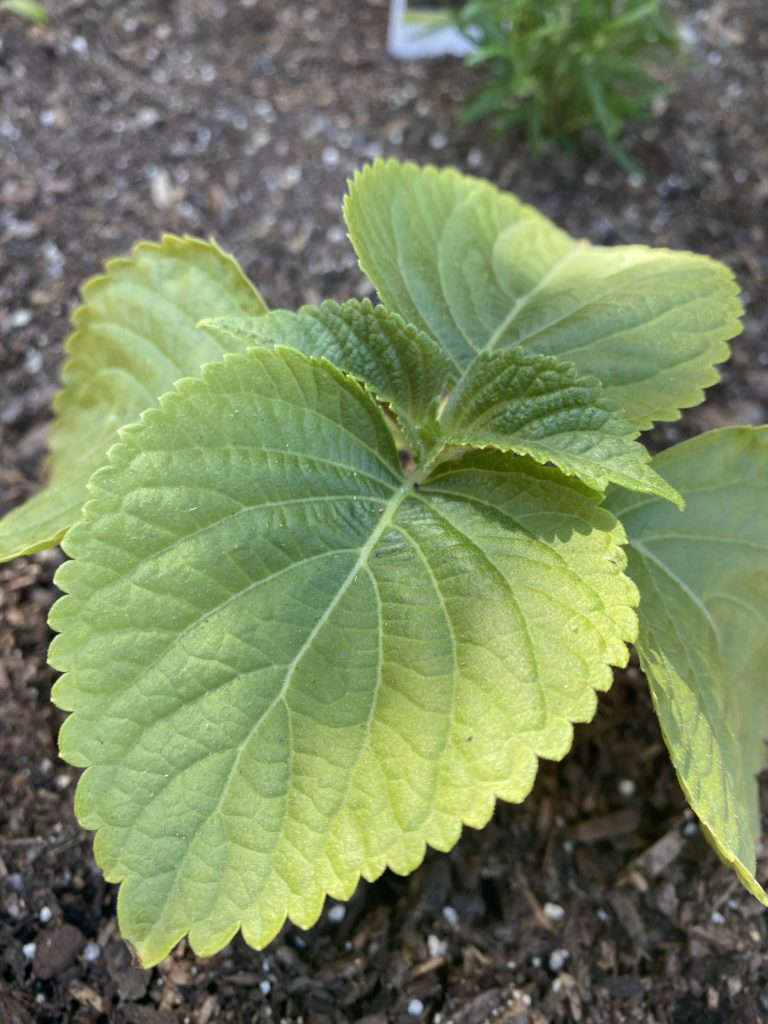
x=344 y=586
x=29 y=9
x=560 y=68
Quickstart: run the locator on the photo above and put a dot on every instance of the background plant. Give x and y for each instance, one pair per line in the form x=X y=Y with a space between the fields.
x=342 y=587
x=29 y=9
x=559 y=69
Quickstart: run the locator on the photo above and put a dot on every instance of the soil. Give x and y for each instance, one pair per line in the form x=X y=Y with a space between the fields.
x=598 y=899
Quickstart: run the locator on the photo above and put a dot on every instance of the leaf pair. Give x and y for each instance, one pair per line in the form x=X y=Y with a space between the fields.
x=292 y=662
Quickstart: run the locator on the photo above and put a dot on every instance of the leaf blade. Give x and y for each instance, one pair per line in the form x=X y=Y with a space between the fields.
x=303 y=675
x=135 y=335
x=537 y=406
x=401 y=365
x=703 y=580
x=481 y=271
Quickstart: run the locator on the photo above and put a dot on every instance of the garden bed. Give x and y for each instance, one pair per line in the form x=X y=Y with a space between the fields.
x=597 y=900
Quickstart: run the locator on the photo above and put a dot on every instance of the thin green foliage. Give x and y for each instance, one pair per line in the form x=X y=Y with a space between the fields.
x=29 y=9
x=564 y=68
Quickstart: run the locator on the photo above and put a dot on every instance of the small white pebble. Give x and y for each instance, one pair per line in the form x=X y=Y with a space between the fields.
x=568 y=847
x=438 y=140
x=627 y=788
x=39 y=998
x=47 y=118
x=337 y=913
x=20 y=317
x=474 y=157
x=554 y=911
x=690 y=829
x=79 y=44
x=45 y=915
x=265 y=964
x=602 y=915
x=28 y=949
x=557 y=985
x=331 y=156
x=558 y=958
x=451 y=916
x=525 y=999
x=92 y=952
x=716 y=917
x=415 y=1008
x=511 y=965
x=536 y=961
x=266 y=987
x=436 y=946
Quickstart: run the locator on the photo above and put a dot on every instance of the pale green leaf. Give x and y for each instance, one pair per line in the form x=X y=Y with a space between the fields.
x=703 y=643
x=536 y=405
x=290 y=665
x=135 y=335
x=401 y=365
x=479 y=271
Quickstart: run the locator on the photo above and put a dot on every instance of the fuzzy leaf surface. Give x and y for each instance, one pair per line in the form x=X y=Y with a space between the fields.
x=480 y=271
x=703 y=642
x=536 y=405
x=135 y=335
x=400 y=364
x=289 y=666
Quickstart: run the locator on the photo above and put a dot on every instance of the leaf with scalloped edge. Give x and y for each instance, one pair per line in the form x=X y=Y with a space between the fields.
x=536 y=405
x=291 y=665
x=401 y=365
x=703 y=642
x=479 y=271
x=135 y=335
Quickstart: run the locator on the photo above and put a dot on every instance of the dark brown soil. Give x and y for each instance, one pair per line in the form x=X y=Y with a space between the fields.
x=597 y=901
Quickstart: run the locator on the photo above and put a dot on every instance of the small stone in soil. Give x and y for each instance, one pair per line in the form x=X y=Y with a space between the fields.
x=451 y=916
x=554 y=911
x=558 y=958
x=415 y=1008
x=337 y=913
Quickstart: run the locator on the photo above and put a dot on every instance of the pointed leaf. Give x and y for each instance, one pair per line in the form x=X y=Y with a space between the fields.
x=479 y=271
x=401 y=365
x=703 y=643
x=135 y=335
x=538 y=406
x=290 y=665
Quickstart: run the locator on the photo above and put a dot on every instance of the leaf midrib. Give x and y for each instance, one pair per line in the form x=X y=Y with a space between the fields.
x=385 y=521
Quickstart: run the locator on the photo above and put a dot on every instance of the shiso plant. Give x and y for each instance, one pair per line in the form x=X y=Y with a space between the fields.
x=560 y=70
x=340 y=577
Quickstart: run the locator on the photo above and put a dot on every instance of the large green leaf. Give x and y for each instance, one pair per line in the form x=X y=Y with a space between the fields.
x=703 y=643
x=291 y=665
x=479 y=271
x=536 y=405
x=134 y=337
x=401 y=365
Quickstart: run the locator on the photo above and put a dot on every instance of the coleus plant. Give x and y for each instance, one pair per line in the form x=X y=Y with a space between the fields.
x=360 y=567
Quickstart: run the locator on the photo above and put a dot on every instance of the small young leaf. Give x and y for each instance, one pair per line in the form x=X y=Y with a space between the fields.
x=703 y=643
x=400 y=364
x=134 y=337
x=290 y=665
x=480 y=271
x=538 y=406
